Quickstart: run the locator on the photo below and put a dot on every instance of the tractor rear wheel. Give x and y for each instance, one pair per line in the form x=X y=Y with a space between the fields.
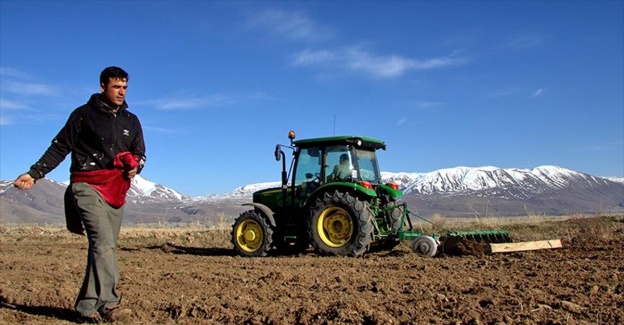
x=251 y=234
x=340 y=225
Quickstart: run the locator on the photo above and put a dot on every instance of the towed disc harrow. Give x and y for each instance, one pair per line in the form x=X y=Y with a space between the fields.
x=449 y=242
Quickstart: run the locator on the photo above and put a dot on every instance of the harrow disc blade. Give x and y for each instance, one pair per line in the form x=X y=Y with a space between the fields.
x=425 y=246
x=472 y=242
x=485 y=236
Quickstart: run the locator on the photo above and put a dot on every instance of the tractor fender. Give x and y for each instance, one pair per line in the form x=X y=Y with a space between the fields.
x=394 y=194
x=265 y=210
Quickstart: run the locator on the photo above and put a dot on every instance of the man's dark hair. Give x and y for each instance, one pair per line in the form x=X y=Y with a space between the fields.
x=113 y=73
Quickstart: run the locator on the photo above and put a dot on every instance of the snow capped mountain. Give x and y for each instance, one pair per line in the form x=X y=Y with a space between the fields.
x=242 y=192
x=516 y=182
x=459 y=191
x=142 y=190
x=487 y=180
x=615 y=179
x=483 y=191
x=7 y=185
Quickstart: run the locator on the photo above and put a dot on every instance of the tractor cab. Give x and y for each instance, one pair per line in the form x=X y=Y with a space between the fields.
x=321 y=164
x=340 y=161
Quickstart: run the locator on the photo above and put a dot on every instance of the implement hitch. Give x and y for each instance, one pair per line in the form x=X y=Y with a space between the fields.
x=448 y=241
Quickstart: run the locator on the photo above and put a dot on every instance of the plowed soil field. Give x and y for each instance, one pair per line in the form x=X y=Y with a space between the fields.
x=191 y=276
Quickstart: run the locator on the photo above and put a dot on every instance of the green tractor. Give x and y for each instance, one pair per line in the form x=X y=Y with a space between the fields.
x=331 y=198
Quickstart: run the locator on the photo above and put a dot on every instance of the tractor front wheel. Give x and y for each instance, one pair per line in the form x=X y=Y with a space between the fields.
x=251 y=234
x=340 y=225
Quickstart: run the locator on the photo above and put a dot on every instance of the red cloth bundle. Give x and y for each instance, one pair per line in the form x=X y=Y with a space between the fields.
x=112 y=184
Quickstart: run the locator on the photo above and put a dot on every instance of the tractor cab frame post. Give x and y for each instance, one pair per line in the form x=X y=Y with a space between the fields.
x=280 y=155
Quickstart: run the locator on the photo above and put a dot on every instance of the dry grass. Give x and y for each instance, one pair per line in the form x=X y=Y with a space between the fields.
x=524 y=228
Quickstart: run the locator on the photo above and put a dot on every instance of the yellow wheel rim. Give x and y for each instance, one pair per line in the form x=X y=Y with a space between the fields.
x=335 y=227
x=249 y=235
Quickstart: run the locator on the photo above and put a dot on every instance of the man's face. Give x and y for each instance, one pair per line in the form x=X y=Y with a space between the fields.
x=115 y=90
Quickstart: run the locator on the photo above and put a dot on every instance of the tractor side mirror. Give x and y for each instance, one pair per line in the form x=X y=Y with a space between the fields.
x=278 y=152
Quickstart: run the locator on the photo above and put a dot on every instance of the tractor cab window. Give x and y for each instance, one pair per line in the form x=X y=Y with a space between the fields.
x=339 y=164
x=367 y=163
x=308 y=166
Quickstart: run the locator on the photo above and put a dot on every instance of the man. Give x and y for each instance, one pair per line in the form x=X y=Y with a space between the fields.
x=342 y=171
x=107 y=151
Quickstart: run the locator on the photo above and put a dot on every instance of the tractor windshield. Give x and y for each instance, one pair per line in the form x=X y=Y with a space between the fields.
x=367 y=164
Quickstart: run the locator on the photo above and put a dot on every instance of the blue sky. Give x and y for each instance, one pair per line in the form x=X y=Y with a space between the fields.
x=216 y=85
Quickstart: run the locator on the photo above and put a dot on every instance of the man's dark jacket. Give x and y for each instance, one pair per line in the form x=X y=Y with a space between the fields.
x=94 y=135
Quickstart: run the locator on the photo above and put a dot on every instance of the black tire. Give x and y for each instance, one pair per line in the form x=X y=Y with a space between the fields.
x=340 y=225
x=252 y=236
x=393 y=216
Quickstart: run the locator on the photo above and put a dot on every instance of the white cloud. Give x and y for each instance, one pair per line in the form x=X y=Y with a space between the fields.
x=192 y=102
x=292 y=25
x=524 y=42
x=10 y=105
x=19 y=82
x=180 y=102
x=378 y=66
x=160 y=130
x=308 y=57
x=358 y=60
x=10 y=110
x=393 y=65
x=538 y=92
x=14 y=73
x=28 y=89
x=422 y=104
x=402 y=121
x=296 y=25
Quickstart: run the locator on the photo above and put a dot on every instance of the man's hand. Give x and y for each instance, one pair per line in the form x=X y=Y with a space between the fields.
x=132 y=172
x=24 y=182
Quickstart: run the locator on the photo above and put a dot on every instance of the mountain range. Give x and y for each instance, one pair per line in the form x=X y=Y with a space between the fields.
x=457 y=192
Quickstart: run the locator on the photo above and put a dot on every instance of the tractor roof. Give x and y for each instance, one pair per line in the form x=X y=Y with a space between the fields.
x=338 y=140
